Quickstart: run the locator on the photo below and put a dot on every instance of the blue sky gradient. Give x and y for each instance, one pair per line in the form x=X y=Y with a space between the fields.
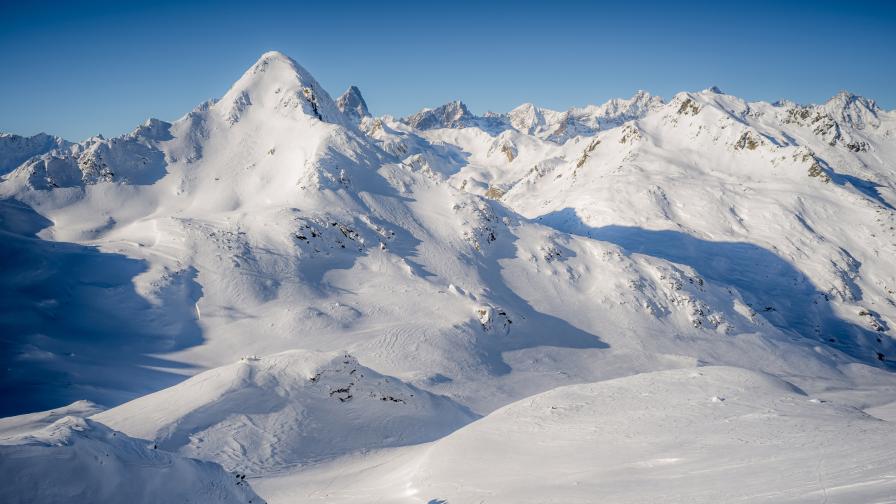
x=81 y=68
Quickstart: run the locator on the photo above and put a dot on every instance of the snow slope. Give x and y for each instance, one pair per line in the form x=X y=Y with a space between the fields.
x=266 y=414
x=74 y=459
x=74 y=325
x=709 y=434
x=706 y=435
x=25 y=424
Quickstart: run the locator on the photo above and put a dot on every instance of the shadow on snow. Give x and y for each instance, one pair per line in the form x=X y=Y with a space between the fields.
x=771 y=285
x=74 y=327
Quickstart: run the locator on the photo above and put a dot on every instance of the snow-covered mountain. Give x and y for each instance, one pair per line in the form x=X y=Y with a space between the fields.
x=352 y=104
x=59 y=457
x=263 y=414
x=15 y=149
x=400 y=278
x=536 y=121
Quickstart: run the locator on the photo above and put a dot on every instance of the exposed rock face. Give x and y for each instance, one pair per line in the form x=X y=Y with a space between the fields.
x=748 y=140
x=352 y=104
x=451 y=115
x=856 y=111
x=276 y=83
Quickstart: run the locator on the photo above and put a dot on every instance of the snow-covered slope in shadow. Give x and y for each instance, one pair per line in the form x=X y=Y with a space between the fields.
x=73 y=324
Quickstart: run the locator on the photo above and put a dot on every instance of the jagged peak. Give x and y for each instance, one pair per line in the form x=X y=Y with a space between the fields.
x=642 y=95
x=640 y=103
x=352 y=91
x=640 y=98
x=457 y=105
x=525 y=107
x=6 y=134
x=153 y=129
x=16 y=149
x=527 y=110
x=846 y=98
x=527 y=118
x=453 y=114
x=785 y=103
x=352 y=104
x=854 y=110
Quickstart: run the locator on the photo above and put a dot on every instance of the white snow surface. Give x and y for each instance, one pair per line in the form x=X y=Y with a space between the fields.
x=703 y=435
x=75 y=459
x=467 y=266
x=265 y=414
x=15 y=149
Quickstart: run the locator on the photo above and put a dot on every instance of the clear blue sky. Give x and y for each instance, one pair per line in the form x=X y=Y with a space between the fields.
x=80 y=68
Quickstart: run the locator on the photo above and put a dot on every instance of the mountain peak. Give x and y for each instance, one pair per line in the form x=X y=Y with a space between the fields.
x=525 y=107
x=618 y=110
x=277 y=82
x=526 y=118
x=352 y=104
x=279 y=64
x=16 y=149
x=854 y=110
x=276 y=56
x=454 y=114
x=845 y=98
x=645 y=100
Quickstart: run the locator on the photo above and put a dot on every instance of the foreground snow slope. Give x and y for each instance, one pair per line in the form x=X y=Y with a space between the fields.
x=709 y=434
x=705 y=435
x=74 y=459
x=266 y=414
